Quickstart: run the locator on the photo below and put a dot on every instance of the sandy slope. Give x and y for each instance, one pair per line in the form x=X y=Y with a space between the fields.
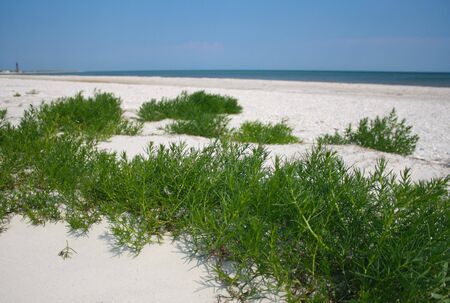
x=28 y=256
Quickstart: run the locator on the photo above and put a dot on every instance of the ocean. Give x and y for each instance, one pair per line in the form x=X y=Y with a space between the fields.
x=393 y=78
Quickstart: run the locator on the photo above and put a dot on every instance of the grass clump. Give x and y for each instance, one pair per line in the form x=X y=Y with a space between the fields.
x=258 y=132
x=2 y=116
x=197 y=114
x=96 y=117
x=385 y=134
x=17 y=94
x=5 y=169
x=44 y=157
x=205 y=125
x=202 y=114
x=189 y=107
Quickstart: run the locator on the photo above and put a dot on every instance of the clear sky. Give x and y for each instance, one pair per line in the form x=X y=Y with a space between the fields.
x=398 y=35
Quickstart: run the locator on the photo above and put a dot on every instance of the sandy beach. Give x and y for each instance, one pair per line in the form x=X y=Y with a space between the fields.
x=31 y=268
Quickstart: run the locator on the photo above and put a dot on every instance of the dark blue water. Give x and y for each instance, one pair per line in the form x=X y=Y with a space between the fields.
x=395 y=78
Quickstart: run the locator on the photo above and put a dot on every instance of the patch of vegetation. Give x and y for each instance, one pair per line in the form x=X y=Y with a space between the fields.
x=202 y=114
x=265 y=133
x=4 y=170
x=197 y=114
x=385 y=134
x=17 y=94
x=44 y=157
x=96 y=117
x=2 y=116
x=205 y=125
x=310 y=229
x=189 y=107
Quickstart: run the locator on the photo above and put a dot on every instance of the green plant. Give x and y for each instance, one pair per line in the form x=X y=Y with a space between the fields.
x=129 y=128
x=197 y=114
x=97 y=117
x=5 y=170
x=189 y=107
x=66 y=252
x=3 y=117
x=17 y=94
x=205 y=125
x=258 y=132
x=384 y=134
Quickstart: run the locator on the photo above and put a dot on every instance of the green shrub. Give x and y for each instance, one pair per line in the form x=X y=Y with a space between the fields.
x=205 y=125
x=385 y=134
x=258 y=132
x=311 y=227
x=5 y=170
x=3 y=117
x=42 y=173
x=197 y=114
x=96 y=117
x=188 y=107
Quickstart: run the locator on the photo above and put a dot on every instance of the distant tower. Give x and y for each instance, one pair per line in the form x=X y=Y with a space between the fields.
x=17 y=67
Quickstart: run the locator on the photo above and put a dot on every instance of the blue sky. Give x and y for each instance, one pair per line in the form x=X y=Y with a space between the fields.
x=398 y=35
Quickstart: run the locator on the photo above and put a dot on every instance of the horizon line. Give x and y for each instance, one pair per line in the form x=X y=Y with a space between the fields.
x=222 y=69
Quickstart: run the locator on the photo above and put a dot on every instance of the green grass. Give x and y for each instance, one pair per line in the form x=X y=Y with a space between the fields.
x=202 y=114
x=17 y=94
x=205 y=125
x=97 y=117
x=309 y=229
x=385 y=134
x=197 y=114
x=258 y=132
x=188 y=107
x=3 y=115
x=5 y=172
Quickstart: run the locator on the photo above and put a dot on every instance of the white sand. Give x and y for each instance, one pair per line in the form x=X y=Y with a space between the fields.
x=31 y=269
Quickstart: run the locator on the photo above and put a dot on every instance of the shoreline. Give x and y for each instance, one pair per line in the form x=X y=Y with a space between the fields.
x=232 y=83
x=402 y=78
